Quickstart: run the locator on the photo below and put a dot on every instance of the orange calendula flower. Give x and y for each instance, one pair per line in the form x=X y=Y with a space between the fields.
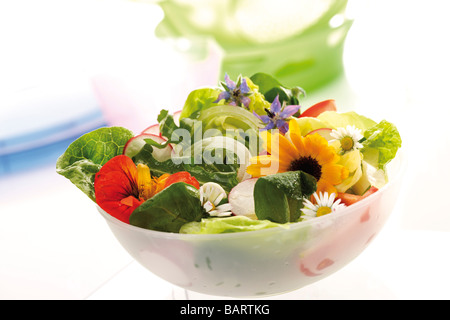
x=311 y=154
x=120 y=186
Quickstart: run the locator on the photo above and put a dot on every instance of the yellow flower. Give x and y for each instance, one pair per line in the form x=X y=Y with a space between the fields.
x=311 y=154
x=149 y=186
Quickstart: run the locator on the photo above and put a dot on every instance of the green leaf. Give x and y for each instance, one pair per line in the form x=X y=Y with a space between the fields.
x=228 y=225
x=381 y=143
x=222 y=173
x=171 y=131
x=336 y=120
x=85 y=156
x=235 y=122
x=279 y=197
x=199 y=100
x=271 y=87
x=169 y=209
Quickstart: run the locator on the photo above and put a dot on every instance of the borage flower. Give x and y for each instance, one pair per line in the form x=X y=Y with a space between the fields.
x=120 y=186
x=235 y=94
x=211 y=194
x=277 y=116
x=323 y=205
x=310 y=154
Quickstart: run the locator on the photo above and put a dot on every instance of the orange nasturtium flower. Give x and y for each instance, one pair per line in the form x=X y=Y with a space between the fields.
x=121 y=186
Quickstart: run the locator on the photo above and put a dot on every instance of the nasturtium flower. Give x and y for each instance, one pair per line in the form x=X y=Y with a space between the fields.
x=293 y=152
x=348 y=138
x=121 y=186
x=324 y=204
x=277 y=116
x=211 y=194
x=235 y=94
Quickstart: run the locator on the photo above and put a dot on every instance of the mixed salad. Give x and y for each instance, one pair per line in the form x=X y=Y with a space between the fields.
x=242 y=156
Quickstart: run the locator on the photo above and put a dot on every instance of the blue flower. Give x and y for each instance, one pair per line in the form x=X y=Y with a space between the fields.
x=277 y=115
x=235 y=94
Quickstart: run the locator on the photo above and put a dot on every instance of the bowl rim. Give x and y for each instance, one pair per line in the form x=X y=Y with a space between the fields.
x=400 y=158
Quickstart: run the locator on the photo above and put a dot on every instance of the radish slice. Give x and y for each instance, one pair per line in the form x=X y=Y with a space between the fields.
x=135 y=144
x=324 y=132
x=176 y=117
x=153 y=129
x=241 y=198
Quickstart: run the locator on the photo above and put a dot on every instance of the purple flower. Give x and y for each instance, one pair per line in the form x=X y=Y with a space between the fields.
x=235 y=94
x=277 y=115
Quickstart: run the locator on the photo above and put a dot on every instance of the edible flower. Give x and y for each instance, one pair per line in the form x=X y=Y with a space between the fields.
x=348 y=138
x=277 y=115
x=310 y=154
x=235 y=94
x=325 y=204
x=211 y=194
x=121 y=186
x=182 y=176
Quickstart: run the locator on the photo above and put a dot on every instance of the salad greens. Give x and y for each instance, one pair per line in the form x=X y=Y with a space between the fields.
x=248 y=138
x=222 y=173
x=164 y=212
x=381 y=143
x=228 y=225
x=85 y=156
x=279 y=197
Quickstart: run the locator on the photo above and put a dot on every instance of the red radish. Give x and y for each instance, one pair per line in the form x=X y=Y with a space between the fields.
x=153 y=129
x=135 y=144
x=318 y=108
x=349 y=199
x=241 y=198
x=324 y=132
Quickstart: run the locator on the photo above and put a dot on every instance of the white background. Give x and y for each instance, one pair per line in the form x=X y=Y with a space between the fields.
x=54 y=244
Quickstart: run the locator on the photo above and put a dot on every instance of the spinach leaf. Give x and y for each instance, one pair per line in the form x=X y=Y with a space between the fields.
x=222 y=172
x=279 y=197
x=85 y=156
x=271 y=87
x=169 y=209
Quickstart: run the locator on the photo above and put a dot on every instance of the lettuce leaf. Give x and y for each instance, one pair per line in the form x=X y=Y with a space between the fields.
x=85 y=156
x=198 y=100
x=381 y=143
x=228 y=225
x=336 y=120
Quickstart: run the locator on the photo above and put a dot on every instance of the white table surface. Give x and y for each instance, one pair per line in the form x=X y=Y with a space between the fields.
x=54 y=244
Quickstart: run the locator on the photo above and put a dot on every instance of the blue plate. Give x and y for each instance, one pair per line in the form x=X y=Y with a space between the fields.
x=38 y=124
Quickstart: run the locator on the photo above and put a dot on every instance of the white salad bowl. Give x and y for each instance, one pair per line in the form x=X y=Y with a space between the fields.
x=265 y=262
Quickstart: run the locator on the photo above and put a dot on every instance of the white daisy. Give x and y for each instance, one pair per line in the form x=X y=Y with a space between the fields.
x=211 y=194
x=325 y=205
x=348 y=137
